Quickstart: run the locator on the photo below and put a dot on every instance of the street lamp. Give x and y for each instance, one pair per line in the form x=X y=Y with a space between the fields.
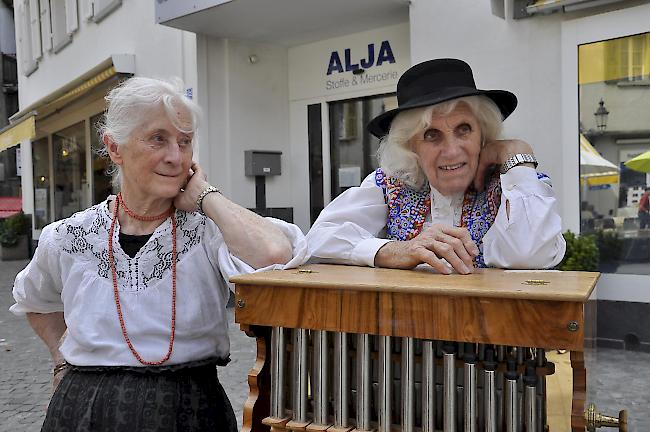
x=601 y=116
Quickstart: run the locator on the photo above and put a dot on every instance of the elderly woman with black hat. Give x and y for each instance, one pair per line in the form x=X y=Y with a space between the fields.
x=138 y=283
x=449 y=192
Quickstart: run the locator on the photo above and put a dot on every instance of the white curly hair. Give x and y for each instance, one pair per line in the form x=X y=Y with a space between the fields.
x=128 y=104
x=397 y=159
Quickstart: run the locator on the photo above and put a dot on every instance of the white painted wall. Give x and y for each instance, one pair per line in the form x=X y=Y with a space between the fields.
x=520 y=56
x=130 y=29
x=246 y=108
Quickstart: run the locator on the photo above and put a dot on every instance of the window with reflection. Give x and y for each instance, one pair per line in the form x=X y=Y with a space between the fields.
x=70 y=179
x=352 y=148
x=101 y=179
x=614 y=97
x=42 y=177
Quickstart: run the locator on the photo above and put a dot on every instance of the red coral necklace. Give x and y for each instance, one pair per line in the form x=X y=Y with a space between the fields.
x=169 y=213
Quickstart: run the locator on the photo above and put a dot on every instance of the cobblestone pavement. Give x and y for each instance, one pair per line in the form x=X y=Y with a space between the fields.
x=616 y=379
x=25 y=366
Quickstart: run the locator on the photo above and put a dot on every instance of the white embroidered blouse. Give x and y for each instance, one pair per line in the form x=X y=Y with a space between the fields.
x=70 y=273
x=351 y=229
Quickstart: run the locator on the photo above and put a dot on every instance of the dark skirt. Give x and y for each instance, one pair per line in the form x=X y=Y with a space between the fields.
x=173 y=398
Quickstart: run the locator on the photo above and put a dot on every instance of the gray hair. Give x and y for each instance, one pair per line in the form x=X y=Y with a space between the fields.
x=129 y=102
x=395 y=155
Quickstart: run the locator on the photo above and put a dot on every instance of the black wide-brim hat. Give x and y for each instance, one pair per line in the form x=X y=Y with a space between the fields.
x=433 y=82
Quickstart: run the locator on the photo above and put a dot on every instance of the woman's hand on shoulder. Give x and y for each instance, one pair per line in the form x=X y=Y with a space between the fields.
x=434 y=245
x=196 y=183
x=495 y=153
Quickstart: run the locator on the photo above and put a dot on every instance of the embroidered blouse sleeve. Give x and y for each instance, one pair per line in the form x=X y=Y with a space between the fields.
x=531 y=237
x=38 y=286
x=348 y=229
x=229 y=265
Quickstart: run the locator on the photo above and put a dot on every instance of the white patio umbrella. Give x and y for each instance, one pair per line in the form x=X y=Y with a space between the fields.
x=595 y=169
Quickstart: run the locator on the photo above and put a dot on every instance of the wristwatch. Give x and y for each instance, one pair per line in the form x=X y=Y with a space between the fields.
x=518 y=159
x=199 y=201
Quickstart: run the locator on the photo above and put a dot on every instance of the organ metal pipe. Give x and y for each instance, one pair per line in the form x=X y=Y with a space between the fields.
x=490 y=392
x=428 y=387
x=521 y=359
x=320 y=378
x=385 y=383
x=364 y=382
x=501 y=357
x=540 y=359
x=277 y=372
x=470 y=389
x=300 y=368
x=511 y=397
x=341 y=384
x=449 y=388
x=530 y=405
x=408 y=384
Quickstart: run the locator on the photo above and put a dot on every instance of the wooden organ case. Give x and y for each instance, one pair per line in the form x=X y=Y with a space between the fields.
x=343 y=348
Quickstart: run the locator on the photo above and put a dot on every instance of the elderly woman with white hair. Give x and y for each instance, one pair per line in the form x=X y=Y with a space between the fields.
x=138 y=283
x=448 y=192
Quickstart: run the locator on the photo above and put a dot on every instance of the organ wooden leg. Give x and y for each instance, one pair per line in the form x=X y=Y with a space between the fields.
x=258 y=403
x=578 y=422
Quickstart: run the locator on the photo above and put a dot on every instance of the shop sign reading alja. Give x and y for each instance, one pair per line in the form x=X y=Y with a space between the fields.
x=356 y=64
x=363 y=67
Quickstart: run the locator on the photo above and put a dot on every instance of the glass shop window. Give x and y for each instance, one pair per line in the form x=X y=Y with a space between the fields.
x=614 y=96
x=70 y=177
x=102 y=187
x=42 y=180
x=353 y=149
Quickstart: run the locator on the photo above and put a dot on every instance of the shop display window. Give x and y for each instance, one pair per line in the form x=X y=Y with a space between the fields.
x=42 y=177
x=101 y=179
x=70 y=178
x=353 y=150
x=614 y=97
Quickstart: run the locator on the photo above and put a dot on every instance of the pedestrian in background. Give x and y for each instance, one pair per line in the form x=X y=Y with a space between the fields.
x=138 y=283
x=644 y=209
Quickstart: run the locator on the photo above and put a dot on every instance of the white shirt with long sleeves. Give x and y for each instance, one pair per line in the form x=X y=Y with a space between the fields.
x=70 y=273
x=351 y=229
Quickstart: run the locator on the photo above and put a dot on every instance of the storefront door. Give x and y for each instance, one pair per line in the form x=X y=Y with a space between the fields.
x=351 y=149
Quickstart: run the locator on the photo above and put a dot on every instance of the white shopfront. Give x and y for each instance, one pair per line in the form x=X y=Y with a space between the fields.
x=304 y=81
x=337 y=85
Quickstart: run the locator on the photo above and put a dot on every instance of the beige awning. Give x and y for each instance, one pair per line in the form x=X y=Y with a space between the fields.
x=13 y=134
x=23 y=123
x=48 y=104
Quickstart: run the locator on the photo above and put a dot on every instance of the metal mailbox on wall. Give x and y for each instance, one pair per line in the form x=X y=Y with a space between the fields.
x=262 y=163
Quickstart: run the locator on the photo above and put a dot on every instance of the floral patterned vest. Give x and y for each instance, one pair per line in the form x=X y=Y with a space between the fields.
x=408 y=209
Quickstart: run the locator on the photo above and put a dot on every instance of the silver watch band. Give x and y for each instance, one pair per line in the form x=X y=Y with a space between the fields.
x=518 y=159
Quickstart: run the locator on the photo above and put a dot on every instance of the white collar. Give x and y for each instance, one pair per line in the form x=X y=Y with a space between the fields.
x=438 y=200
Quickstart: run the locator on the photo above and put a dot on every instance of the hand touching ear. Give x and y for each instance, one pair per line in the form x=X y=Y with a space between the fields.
x=196 y=182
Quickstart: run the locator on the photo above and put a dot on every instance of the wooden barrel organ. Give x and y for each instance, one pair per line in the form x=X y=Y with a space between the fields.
x=359 y=349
